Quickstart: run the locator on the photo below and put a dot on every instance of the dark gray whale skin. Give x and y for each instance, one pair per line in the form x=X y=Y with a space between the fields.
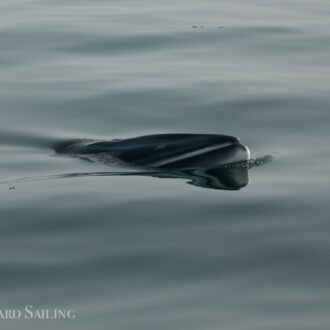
x=168 y=151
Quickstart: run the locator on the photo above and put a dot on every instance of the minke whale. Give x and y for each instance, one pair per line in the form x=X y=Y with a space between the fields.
x=162 y=151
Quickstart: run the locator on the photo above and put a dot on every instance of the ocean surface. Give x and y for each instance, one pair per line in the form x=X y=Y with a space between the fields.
x=143 y=252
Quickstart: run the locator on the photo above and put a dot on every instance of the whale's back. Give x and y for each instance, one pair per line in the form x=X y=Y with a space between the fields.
x=162 y=150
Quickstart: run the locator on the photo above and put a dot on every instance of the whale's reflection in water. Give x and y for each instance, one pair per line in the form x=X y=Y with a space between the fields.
x=212 y=178
x=234 y=176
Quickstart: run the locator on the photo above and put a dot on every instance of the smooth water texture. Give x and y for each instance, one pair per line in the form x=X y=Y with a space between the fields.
x=149 y=251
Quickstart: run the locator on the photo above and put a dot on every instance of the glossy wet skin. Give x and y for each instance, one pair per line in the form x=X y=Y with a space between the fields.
x=165 y=150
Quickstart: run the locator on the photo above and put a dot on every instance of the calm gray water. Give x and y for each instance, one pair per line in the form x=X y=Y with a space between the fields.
x=144 y=252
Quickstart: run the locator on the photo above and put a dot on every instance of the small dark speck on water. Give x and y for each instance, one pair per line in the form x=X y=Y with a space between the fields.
x=11 y=188
x=202 y=27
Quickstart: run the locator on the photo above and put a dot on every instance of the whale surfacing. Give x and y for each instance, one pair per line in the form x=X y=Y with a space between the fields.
x=168 y=151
